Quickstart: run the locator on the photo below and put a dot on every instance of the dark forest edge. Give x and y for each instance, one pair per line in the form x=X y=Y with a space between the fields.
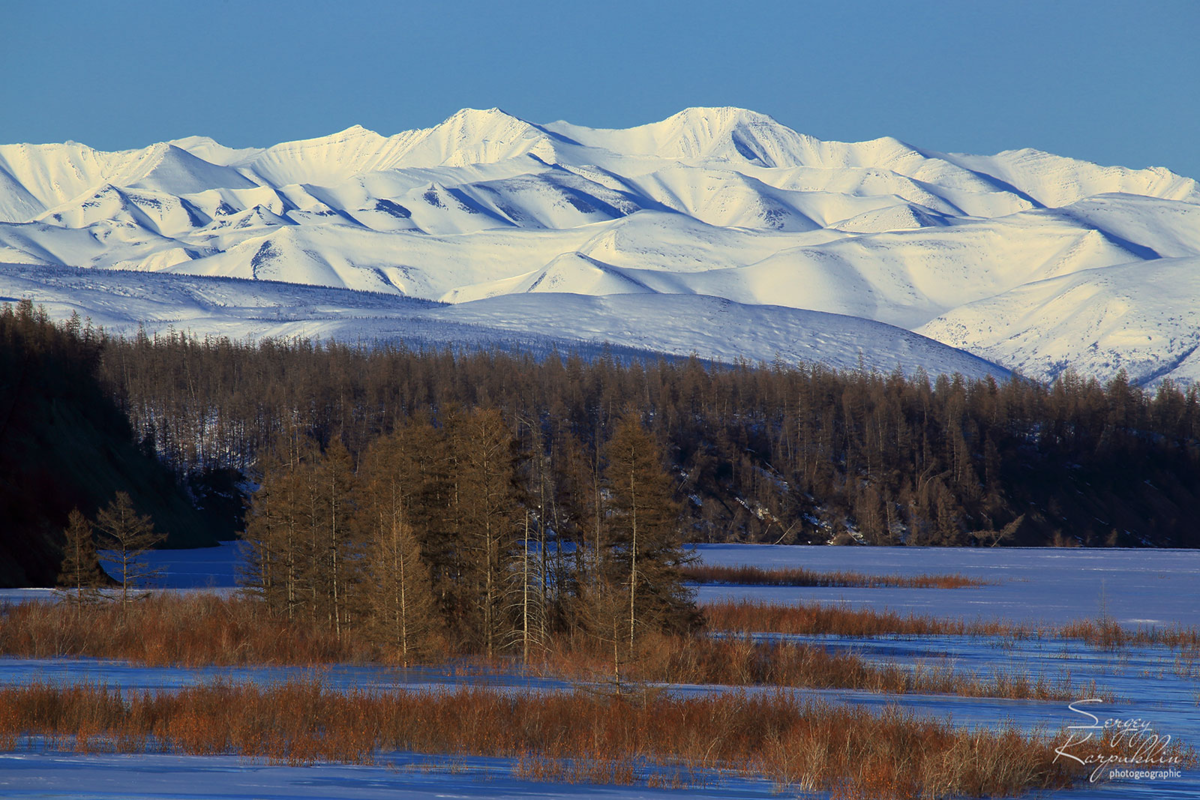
x=65 y=444
x=769 y=453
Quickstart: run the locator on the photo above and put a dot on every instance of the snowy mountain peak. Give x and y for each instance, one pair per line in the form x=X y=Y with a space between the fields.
x=700 y=133
x=718 y=117
x=214 y=152
x=731 y=133
x=480 y=116
x=325 y=159
x=355 y=136
x=474 y=136
x=991 y=253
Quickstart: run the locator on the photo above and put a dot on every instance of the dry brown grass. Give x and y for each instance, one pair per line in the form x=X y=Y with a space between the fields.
x=798 y=576
x=206 y=630
x=577 y=737
x=741 y=661
x=176 y=630
x=751 y=616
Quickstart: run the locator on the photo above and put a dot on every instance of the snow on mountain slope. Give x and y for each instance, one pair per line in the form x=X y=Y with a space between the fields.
x=720 y=329
x=720 y=202
x=1161 y=228
x=902 y=277
x=570 y=273
x=57 y=173
x=702 y=134
x=327 y=159
x=726 y=199
x=1142 y=317
x=178 y=172
x=711 y=328
x=16 y=202
x=892 y=218
x=1056 y=181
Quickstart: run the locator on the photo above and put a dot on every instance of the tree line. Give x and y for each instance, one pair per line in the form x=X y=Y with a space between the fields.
x=126 y=537
x=453 y=537
x=776 y=453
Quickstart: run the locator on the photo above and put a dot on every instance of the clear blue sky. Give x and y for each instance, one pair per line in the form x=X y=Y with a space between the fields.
x=1112 y=82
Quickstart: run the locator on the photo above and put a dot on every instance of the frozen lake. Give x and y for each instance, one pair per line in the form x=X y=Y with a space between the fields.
x=1054 y=585
x=398 y=777
x=1137 y=587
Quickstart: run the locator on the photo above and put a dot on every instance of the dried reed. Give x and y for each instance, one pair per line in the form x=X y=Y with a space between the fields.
x=575 y=737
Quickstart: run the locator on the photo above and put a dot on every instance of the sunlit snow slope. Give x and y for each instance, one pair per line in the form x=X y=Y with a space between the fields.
x=631 y=325
x=1028 y=259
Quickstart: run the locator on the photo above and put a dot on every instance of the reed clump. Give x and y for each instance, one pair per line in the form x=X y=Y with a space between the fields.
x=799 y=576
x=744 y=661
x=208 y=630
x=752 y=616
x=195 y=630
x=573 y=737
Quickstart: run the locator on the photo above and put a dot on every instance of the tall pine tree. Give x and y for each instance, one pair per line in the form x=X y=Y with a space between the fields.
x=488 y=510
x=80 y=575
x=278 y=553
x=401 y=601
x=129 y=536
x=644 y=540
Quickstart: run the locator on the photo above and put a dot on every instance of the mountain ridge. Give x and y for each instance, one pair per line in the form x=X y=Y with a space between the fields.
x=724 y=202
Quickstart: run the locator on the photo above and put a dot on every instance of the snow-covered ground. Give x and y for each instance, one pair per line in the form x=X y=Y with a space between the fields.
x=1023 y=257
x=399 y=777
x=1055 y=585
x=1135 y=586
x=634 y=325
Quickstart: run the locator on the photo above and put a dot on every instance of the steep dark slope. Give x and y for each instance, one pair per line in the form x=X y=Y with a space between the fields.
x=63 y=445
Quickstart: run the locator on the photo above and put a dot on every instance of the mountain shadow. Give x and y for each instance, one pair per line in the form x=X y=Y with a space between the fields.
x=64 y=444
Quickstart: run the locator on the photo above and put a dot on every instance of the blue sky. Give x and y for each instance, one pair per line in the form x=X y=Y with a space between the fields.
x=1112 y=82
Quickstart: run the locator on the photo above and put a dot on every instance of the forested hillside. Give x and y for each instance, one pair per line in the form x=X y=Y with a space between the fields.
x=65 y=444
x=775 y=453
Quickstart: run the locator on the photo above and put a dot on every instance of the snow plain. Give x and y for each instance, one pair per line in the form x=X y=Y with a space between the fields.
x=1025 y=258
x=1140 y=587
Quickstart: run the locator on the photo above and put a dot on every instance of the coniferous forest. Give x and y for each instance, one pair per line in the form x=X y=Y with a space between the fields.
x=764 y=453
x=494 y=510
x=774 y=453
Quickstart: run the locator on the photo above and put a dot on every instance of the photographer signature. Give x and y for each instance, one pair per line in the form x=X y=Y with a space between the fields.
x=1127 y=742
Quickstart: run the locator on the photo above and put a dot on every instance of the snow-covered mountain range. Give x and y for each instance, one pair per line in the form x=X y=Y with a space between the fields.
x=1030 y=260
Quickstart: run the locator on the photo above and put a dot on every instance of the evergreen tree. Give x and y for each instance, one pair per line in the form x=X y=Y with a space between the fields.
x=276 y=557
x=129 y=537
x=416 y=463
x=489 y=512
x=80 y=575
x=402 y=606
x=329 y=553
x=341 y=548
x=530 y=603
x=401 y=601
x=644 y=540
